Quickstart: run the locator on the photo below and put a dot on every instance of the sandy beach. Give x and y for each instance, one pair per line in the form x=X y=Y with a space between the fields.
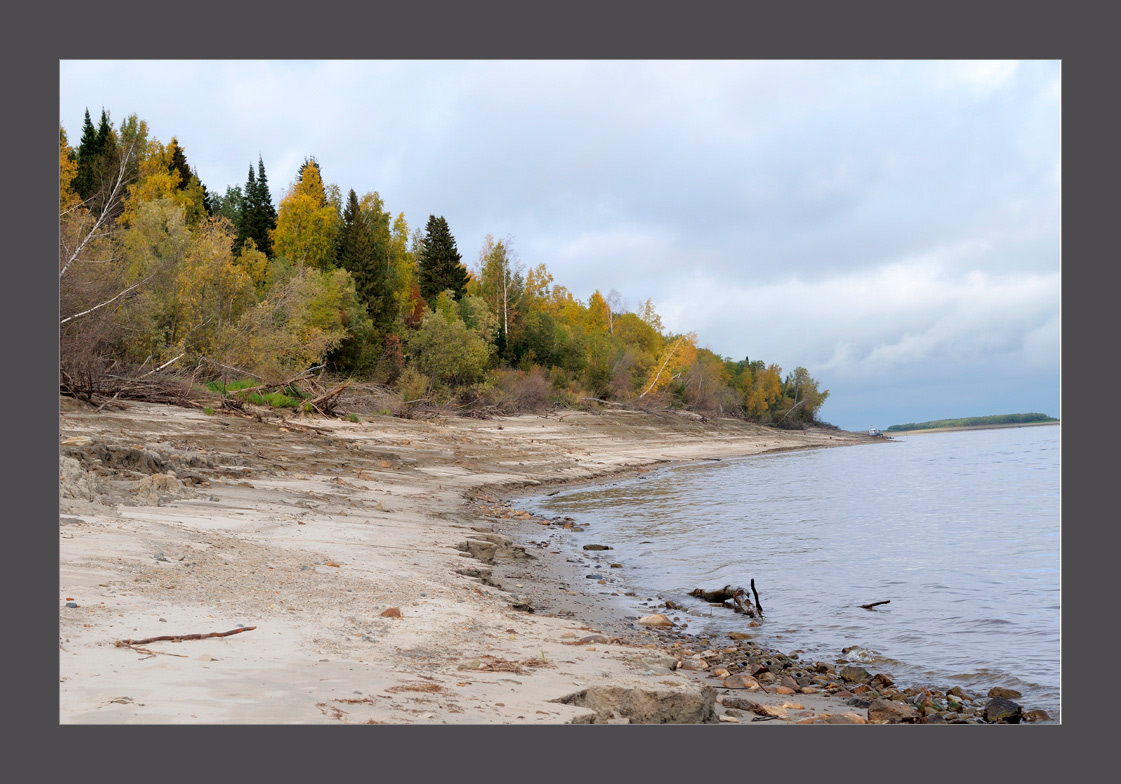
x=385 y=568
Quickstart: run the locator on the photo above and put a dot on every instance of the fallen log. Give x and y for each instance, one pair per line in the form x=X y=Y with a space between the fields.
x=875 y=604
x=181 y=637
x=739 y=597
x=719 y=596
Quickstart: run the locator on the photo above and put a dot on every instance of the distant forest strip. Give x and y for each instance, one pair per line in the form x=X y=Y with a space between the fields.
x=1000 y=419
x=157 y=273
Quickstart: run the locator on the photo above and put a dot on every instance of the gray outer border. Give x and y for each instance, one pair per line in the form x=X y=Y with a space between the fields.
x=818 y=30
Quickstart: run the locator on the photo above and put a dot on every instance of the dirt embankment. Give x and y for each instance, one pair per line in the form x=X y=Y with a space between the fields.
x=365 y=557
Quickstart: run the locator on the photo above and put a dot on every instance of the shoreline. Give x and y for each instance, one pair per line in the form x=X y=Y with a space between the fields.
x=890 y=433
x=366 y=559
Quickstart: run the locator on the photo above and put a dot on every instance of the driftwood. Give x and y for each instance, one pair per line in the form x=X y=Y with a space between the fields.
x=875 y=604
x=741 y=601
x=181 y=637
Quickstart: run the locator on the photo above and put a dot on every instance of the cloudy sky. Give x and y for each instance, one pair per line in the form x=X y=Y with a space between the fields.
x=891 y=226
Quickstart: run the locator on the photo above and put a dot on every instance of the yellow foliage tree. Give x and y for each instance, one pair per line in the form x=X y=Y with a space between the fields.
x=650 y=316
x=301 y=319
x=156 y=180
x=677 y=356
x=307 y=223
x=764 y=392
x=213 y=290
x=67 y=168
x=537 y=284
x=598 y=316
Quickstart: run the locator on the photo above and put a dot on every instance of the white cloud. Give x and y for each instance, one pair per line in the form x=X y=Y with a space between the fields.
x=983 y=76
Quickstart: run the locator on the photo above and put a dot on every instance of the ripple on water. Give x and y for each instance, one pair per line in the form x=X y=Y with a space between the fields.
x=965 y=548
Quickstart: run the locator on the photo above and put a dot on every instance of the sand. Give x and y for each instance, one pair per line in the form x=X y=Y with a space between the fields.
x=213 y=523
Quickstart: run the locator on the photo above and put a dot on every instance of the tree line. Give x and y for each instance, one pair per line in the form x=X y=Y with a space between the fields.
x=980 y=421
x=156 y=270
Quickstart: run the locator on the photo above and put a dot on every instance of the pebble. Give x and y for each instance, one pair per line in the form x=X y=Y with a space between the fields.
x=73 y=605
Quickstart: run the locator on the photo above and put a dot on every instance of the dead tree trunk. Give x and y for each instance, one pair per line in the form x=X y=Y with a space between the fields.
x=741 y=600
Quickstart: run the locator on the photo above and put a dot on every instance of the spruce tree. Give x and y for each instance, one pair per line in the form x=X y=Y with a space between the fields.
x=245 y=219
x=87 y=154
x=266 y=213
x=439 y=262
x=363 y=250
x=105 y=163
x=178 y=164
x=355 y=249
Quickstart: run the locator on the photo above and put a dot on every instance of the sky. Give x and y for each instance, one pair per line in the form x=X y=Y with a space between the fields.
x=891 y=226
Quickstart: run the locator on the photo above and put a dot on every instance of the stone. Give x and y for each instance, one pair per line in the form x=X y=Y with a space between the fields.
x=694 y=663
x=1003 y=710
x=597 y=547
x=640 y=702
x=77 y=441
x=392 y=612
x=616 y=566
x=72 y=605
x=1037 y=715
x=739 y=636
x=958 y=691
x=720 y=672
x=784 y=690
x=891 y=712
x=728 y=718
x=846 y=718
x=788 y=682
x=741 y=681
x=857 y=702
x=1008 y=694
x=593 y=577
x=657 y=620
x=854 y=674
x=934 y=718
x=881 y=681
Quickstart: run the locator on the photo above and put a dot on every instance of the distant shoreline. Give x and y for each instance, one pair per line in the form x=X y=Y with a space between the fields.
x=969 y=427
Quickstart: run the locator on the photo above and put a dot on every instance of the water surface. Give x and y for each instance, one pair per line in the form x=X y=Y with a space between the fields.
x=959 y=530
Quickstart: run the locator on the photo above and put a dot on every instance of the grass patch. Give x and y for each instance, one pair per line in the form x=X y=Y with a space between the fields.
x=288 y=398
x=273 y=399
x=208 y=411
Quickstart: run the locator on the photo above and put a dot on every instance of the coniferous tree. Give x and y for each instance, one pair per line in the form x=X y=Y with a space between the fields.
x=87 y=154
x=245 y=219
x=105 y=161
x=439 y=264
x=355 y=251
x=364 y=250
x=265 y=211
x=178 y=164
x=104 y=133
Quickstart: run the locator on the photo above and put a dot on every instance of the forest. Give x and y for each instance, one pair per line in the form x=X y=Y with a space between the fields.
x=161 y=279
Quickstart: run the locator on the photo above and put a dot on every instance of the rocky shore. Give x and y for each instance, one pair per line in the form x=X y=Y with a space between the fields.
x=376 y=572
